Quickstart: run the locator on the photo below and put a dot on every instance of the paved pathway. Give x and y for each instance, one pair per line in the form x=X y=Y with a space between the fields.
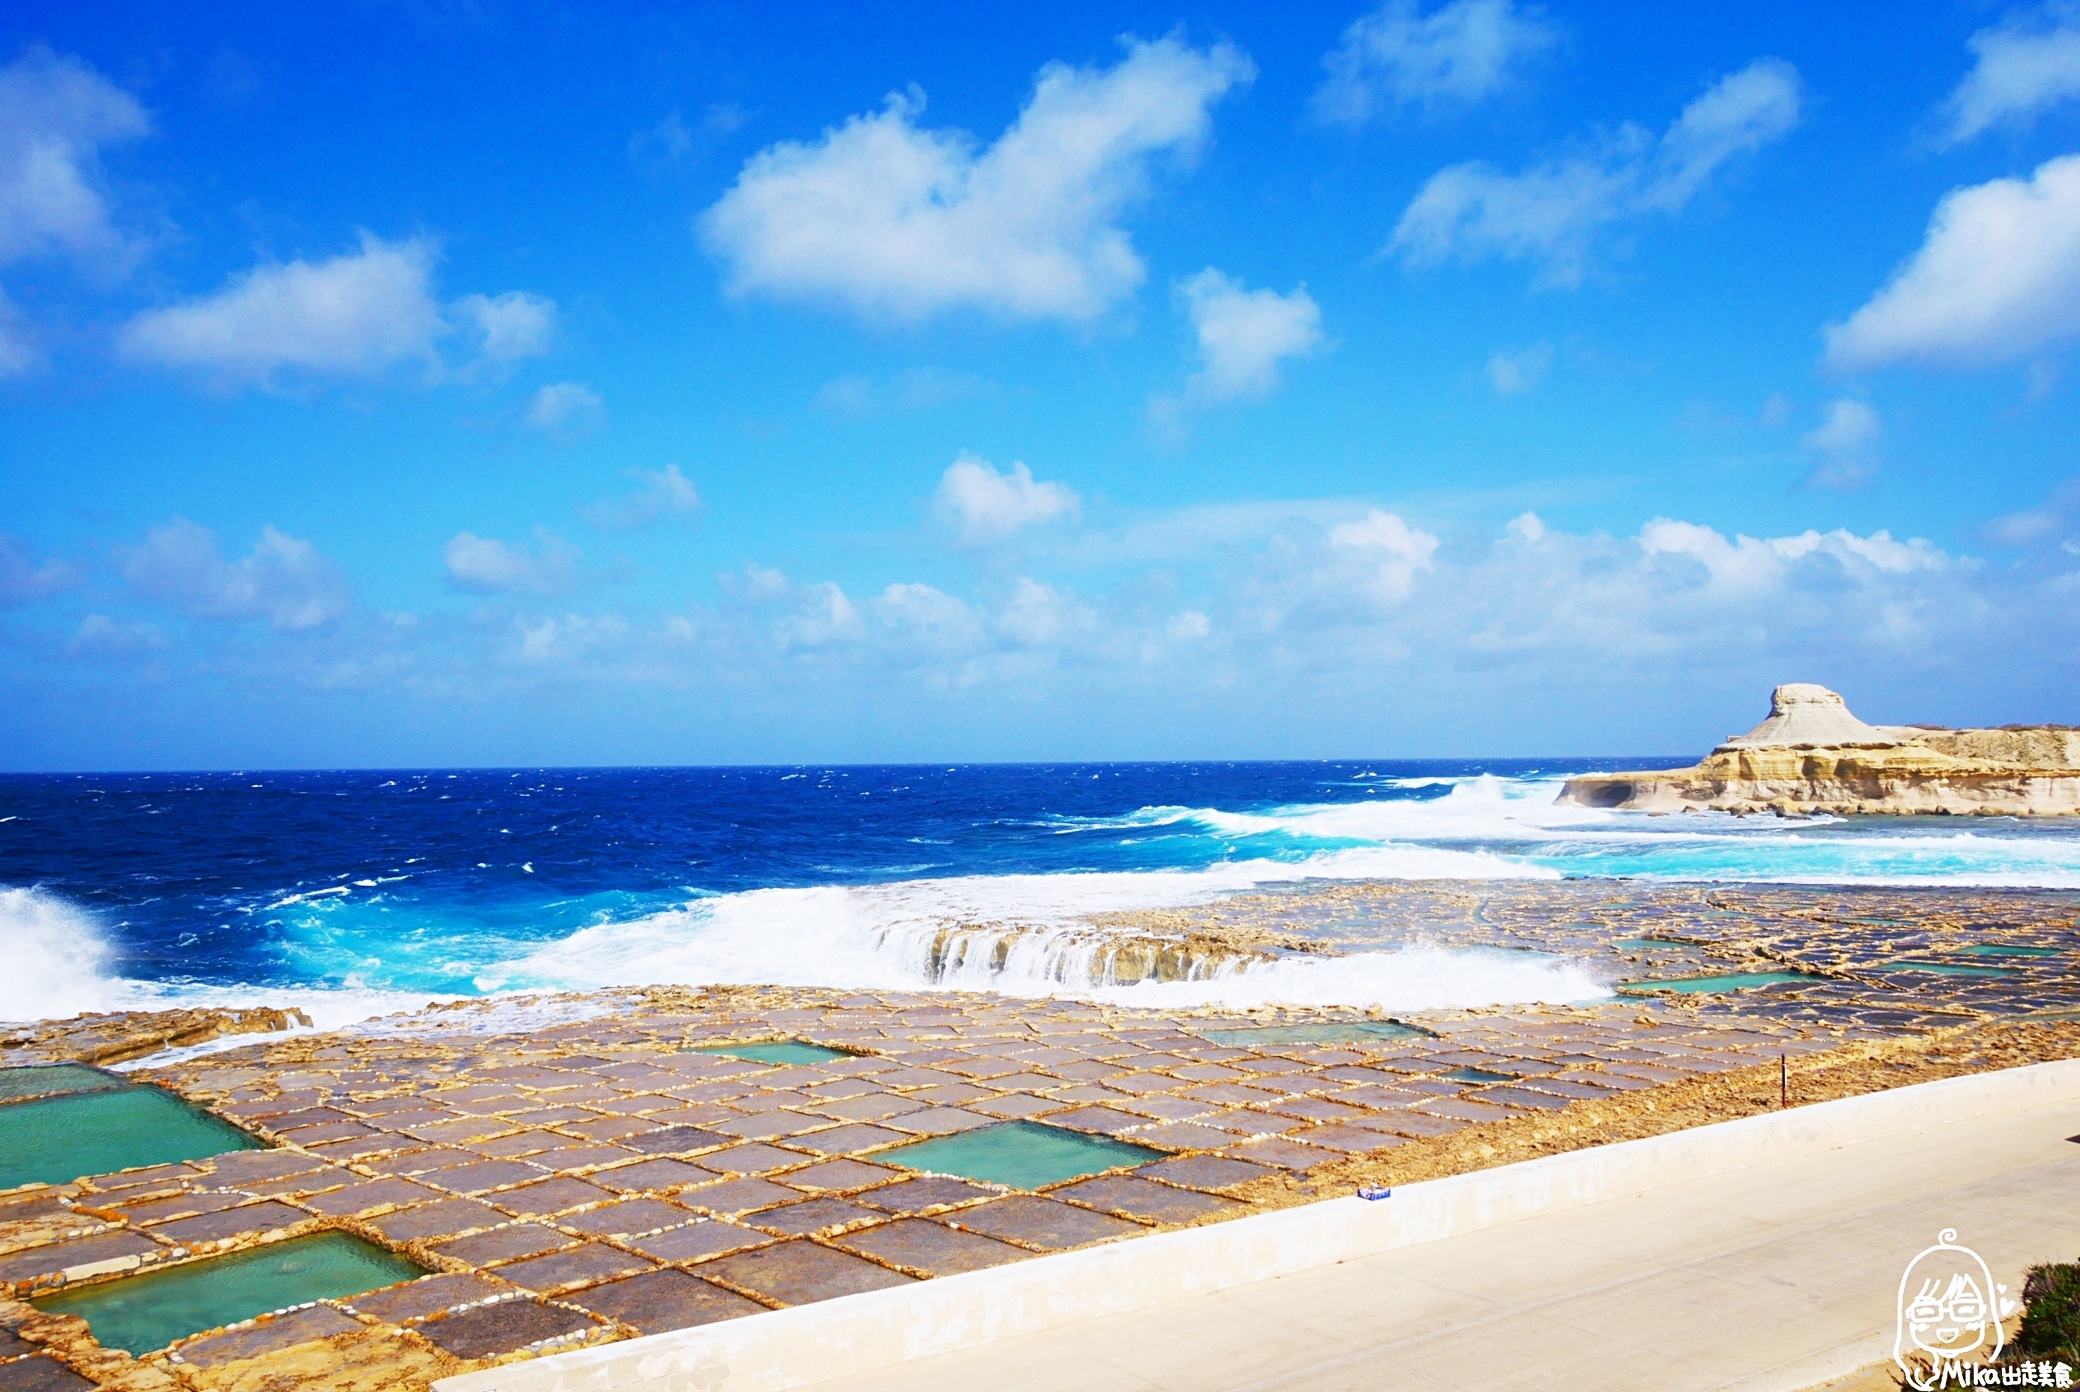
x=1779 y=1276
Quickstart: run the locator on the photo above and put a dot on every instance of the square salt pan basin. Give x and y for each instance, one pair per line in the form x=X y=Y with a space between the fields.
x=1020 y=1154
x=138 y=1314
x=774 y=1051
x=55 y=1140
x=1328 y=1034
x=51 y=1079
x=1736 y=981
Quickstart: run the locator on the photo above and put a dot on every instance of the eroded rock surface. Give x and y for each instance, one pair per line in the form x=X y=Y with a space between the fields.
x=1812 y=756
x=120 y=1036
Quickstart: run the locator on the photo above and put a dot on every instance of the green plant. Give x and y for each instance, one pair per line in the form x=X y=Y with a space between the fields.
x=2050 y=1314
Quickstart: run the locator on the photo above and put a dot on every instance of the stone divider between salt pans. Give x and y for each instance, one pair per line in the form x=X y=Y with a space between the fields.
x=833 y=1339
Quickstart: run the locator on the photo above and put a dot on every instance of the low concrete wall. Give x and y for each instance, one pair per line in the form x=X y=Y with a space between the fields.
x=832 y=1339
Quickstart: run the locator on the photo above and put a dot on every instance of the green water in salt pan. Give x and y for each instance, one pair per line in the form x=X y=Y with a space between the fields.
x=1995 y=950
x=1478 y=1075
x=45 y=1079
x=55 y=1140
x=1736 y=981
x=1950 y=968
x=774 y=1051
x=1021 y=1154
x=138 y=1314
x=1330 y=1033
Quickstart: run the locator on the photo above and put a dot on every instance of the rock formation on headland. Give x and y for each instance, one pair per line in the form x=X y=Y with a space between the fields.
x=1812 y=755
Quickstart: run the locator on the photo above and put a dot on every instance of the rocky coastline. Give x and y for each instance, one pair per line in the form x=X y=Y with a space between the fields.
x=1812 y=756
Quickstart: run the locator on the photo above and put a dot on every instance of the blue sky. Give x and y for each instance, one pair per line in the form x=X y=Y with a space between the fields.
x=430 y=383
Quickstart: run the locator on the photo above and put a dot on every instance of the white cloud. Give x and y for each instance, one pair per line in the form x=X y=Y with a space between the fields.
x=897 y=221
x=987 y=505
x=56 y=116
x=1039 y=615
x=558 y=406
x=2057 y=514
x=1513 y=374
x=508 y=327
x=1392 y=552
x=358 y=314
x=23 y=577
x=916 y=606
x=1188 y=626
x=663 y=494
x=19 y=351
x=284 y=580
x=674 y=139
x=99 y=636
x=1456 y=56
x=1996 y=279
x=1243 y=334
x=2021 y=68
x=486 y=565
x=1843 y=441
x=1553 y=213
x=920 y=389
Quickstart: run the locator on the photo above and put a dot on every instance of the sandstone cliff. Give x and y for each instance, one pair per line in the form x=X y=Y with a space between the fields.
x=1812 y=755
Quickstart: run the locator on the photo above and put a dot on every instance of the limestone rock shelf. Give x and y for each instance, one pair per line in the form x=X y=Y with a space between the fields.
x=1813 y=756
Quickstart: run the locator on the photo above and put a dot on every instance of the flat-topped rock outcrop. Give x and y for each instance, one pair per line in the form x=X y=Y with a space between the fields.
x=1813 y=755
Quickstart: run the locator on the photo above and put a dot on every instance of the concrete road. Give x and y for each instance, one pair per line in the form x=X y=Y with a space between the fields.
x=1779 y=1276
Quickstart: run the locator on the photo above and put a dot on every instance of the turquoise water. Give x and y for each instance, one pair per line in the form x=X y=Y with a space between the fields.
x=1333 y=1033
x=349 y=893
x=1950 y=968
x=1021 y=1154
x=44 y=1079
x=775 y=1051
x=1736 y=981
x=138 y=1314
x=58 y=1139
x=1995 y=950
x=1479 y=1075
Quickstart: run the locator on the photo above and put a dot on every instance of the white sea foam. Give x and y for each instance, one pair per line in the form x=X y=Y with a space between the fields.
x=1027 y=935
x=56 y=957
x=1030 y=934
x=61 y=963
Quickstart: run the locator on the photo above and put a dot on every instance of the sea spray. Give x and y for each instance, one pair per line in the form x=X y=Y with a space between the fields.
x=56 y=956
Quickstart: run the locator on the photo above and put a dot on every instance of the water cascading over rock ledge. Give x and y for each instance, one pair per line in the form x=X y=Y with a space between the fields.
x=1813 y=756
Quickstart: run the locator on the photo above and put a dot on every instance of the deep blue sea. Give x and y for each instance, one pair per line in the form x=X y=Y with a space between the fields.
x=350 y=892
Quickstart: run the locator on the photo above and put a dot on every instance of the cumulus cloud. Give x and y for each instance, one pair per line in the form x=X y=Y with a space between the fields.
x=1392 y=552
x=486 y=565
x=662 y=494
x=358 y=314
x=2056 y=519
x=1456 y=56
x=507 y=327
x=1843 y=443
x=1555 y=212
x=23 y=577
x=559 y=407
x=1996 y=280
x=897 y=221
x=56 y=116
x=1362 y=618
x=1244 y=334
x=987 y=506
x=1513 y=374
x=284 y=580
x=2021 y=68
x=99 y=636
